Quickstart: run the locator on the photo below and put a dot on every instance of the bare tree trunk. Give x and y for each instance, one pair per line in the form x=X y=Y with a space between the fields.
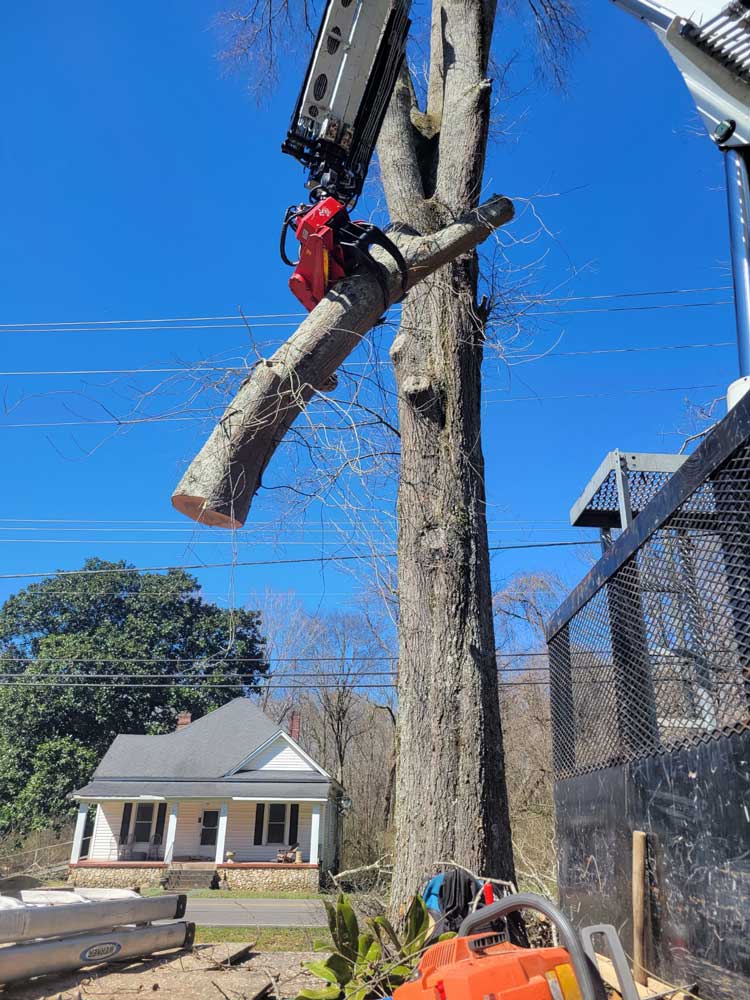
x=451 y=797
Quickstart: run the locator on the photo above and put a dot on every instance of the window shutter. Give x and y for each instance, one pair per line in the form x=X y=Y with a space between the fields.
x=161 y=814
x=260 y=811
x=127 y=812
x=293 y=823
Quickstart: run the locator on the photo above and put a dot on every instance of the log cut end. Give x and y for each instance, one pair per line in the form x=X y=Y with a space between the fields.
x=196 y=509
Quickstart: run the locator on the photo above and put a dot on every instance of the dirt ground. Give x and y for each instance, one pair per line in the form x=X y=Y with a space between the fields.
x=196 y=976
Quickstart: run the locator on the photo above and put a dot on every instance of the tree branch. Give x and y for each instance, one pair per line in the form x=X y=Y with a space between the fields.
x=219 y=484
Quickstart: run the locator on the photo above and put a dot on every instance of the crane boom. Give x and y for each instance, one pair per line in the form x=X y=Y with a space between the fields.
x=709 y=41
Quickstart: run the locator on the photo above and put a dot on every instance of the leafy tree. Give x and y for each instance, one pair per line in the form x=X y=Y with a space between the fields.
x=65 y=643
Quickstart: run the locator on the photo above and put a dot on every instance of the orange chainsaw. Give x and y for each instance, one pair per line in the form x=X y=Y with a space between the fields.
x=486 y=966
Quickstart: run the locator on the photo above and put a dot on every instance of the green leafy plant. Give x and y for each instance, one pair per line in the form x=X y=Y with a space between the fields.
x=372 y=962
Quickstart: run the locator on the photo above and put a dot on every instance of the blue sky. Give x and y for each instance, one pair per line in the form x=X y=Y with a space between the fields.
x=140 y=182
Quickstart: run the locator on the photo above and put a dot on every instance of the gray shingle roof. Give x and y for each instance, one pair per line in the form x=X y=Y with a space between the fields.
x=208 y=748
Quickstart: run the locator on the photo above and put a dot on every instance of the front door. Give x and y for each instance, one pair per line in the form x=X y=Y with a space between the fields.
x=209 y=832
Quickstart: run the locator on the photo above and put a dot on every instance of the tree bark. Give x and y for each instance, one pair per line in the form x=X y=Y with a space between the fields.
x=221 y=481
x=451 y=800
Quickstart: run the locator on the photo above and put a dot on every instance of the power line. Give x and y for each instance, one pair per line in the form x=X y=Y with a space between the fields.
x=269 y=562
x=199 y=368
x=521 y=300
x=166 y=319
x=238 y=659
x=257 y=687
x=601 y=395
x=529 y=312
x=618 y=309
x=121 y=521
x=128 y=422
x=642 y=294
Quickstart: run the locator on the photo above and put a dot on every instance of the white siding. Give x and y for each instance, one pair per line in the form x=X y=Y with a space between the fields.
x=241 y=833
x=106 y=831
x=239 y=838
x=278 y=756
x=187 y=842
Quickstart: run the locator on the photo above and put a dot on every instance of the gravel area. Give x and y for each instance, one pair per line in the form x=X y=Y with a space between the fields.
x=184 y=976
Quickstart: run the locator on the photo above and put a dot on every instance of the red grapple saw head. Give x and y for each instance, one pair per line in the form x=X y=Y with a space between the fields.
x=332 y=246
x=321 y=258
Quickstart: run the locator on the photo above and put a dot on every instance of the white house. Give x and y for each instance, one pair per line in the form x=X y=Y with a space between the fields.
x=220 y=799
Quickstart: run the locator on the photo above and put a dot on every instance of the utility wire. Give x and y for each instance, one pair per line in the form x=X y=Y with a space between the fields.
x=176 y=525
x=330 y=537
x=128 y=422
x=521 y=300
x=529 y=312
x=600 y=395
x=199 y=369
x=268 y=562
x=259 y=687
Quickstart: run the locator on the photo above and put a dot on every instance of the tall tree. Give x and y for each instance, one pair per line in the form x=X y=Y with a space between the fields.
x=64 y=645
x=451 y=797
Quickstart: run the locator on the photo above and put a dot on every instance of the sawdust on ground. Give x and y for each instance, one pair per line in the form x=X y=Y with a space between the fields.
x=194 y=976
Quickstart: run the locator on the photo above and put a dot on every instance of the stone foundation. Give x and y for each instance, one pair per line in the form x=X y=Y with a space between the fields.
x=270 y=878
x=114 y=876
x=251 y=877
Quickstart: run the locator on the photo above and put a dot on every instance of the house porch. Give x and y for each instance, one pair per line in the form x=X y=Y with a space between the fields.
x=151 y=842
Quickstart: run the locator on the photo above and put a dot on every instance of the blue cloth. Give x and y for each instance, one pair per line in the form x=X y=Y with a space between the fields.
x=431 y=892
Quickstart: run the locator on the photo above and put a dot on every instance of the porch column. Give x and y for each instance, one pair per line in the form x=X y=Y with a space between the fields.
x=174 y=808
x=75 y=854
x=314 y=834
x=221 y=833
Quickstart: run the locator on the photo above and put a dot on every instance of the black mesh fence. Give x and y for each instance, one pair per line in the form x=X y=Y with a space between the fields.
x=652 y=651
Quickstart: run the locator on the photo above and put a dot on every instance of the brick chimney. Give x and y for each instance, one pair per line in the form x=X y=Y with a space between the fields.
x=183 y=719
x=294 y=722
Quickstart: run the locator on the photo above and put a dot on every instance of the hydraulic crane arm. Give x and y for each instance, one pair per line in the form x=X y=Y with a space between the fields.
x=336 y=121
x=709 y=40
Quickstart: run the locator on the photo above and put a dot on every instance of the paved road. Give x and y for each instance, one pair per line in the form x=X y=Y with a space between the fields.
x=256 y=912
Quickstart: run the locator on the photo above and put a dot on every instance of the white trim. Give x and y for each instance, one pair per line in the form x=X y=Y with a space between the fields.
x=200 y=798
x=121 y=798
x=250 y=798
x=221 y=833
x=292 y=743
x=174 y=808
x=75 y=852
x=314 y=835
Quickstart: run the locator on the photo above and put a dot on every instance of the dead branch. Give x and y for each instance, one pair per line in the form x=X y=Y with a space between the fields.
x=219 y=485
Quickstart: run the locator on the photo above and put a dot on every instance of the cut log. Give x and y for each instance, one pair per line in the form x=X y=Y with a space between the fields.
x=221 y=481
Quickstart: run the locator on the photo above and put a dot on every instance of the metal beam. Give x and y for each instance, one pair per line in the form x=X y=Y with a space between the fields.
x=29 y=922
x=738 y=202
x=24 y=961
x=583 y=516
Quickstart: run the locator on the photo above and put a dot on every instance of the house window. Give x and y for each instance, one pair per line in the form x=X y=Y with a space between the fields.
x=276 y=831
x=210 y=827
x=144 y=815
